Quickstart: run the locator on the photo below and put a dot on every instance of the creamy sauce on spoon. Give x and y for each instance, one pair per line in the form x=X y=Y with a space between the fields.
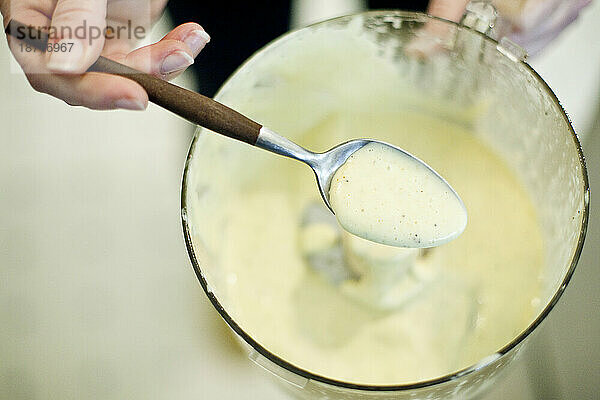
x=384 y=195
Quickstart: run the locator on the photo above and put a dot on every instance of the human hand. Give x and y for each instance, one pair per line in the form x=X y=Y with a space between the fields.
x=530 y=23
x=107 y=31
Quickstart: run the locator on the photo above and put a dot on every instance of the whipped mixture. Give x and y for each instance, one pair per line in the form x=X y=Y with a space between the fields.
x=383 y=195
x=328 y=302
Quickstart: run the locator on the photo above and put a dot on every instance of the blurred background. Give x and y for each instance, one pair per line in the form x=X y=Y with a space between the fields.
x=98 y=299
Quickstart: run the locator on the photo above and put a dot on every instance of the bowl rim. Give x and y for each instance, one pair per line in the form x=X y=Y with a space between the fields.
x=488 y=360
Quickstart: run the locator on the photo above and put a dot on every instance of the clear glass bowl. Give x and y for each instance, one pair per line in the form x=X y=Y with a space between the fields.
x=444 y=62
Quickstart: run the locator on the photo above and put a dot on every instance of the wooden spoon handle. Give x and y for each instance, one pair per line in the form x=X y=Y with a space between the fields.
x=190 y=105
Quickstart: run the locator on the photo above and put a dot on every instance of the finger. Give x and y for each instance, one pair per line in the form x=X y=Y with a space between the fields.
x=27 y=13
x=92 y=90
x=192 y=34
x=448 y=9
x=425 y=45
x=79 y=25
x=164 y=59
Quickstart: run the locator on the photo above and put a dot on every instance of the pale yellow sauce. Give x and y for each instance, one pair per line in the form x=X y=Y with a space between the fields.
x=386 y=196
x=468 y=298
x=480 y=297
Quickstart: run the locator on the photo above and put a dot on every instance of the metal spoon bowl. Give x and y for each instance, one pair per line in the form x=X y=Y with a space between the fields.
x=326 y=164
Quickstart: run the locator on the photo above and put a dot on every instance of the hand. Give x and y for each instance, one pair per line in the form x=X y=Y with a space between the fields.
x=530 y=23
x=106 y=26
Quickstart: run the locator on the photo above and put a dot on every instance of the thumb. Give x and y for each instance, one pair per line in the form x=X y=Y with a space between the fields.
x=76 y=35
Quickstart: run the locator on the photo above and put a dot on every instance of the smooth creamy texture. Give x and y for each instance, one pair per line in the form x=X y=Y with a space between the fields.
x=247 y=209
x=384 y=195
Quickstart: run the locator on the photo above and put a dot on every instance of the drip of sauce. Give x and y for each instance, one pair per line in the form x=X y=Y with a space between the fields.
x=384 y=195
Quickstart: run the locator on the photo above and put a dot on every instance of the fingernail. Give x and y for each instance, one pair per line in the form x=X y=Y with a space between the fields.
x=176 y=61
x=196 y=40
x=67 y=56
x=129 y=104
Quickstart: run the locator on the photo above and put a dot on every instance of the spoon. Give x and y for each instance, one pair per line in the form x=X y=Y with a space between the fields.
x=219 y=118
